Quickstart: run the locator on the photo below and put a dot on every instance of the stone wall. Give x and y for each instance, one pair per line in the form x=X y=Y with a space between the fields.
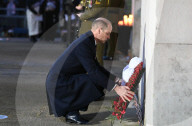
x=136 y=11
x=166 y=26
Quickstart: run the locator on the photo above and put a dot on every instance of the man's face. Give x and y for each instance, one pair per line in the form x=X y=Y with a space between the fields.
x=104 y=35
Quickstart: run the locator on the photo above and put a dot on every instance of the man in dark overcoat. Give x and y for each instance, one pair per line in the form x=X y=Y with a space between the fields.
x=76 y=78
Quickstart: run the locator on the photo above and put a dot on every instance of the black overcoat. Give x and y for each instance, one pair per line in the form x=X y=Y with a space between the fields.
x=73 y=80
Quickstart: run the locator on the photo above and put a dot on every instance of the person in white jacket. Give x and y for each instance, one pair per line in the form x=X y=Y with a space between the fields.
x=34 y=25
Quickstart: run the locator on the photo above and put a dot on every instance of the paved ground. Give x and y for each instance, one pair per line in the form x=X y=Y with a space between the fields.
x=23 y=69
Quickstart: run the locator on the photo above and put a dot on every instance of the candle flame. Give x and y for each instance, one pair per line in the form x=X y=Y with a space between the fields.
x=127 y=20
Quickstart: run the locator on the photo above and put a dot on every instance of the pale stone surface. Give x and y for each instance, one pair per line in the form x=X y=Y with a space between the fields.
x=175 y=23
x=173 y=91
x=166 y=26
x=149 y=97
x=136 y=28
x=148 y=30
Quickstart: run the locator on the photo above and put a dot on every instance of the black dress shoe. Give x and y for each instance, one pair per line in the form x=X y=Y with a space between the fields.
x=75 y=118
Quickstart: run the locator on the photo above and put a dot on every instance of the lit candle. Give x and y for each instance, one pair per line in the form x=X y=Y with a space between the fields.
x=130 y=21
x=125 y=17
x=125 y=20
x=120 y=23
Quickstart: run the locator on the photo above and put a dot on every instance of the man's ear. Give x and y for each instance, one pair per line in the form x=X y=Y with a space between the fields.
x=99 y=30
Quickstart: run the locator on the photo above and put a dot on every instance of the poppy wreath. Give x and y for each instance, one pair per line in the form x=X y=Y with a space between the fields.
x=119 y=106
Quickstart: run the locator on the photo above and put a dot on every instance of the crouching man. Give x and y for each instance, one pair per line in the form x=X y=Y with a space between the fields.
x=76 y=78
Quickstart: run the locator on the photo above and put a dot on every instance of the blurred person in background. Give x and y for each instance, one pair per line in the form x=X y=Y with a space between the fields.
x=50 y=10
x=34 y=25
x=11 y=8
x=71 y=19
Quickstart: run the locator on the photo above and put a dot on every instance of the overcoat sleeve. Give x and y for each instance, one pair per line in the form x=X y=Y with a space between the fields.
x=97 y=74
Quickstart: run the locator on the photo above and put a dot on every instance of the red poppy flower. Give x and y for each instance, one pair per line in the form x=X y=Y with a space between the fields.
x=119 y=105
x=115 y=102
x=118 y=117
x=123 y=112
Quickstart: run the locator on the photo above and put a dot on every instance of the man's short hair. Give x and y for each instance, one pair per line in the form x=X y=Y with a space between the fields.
x=100 y=22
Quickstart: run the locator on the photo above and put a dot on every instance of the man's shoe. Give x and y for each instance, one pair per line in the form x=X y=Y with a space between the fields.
x=75 y=118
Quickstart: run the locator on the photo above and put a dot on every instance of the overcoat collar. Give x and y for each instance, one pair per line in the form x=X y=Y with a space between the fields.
x=91 y=36
x=92 y=40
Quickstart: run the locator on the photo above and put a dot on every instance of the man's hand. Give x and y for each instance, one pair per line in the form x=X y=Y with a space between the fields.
x=124 y=92
x=79 y=7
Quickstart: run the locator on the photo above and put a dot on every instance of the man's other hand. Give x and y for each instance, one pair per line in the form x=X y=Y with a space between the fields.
x=124 y=92
x=79 y=7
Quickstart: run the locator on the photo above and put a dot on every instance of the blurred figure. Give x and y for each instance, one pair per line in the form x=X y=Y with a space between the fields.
x=33 y=23
x=69 y=6
x=71 y=19
x=11 y=8
x=50 y=11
